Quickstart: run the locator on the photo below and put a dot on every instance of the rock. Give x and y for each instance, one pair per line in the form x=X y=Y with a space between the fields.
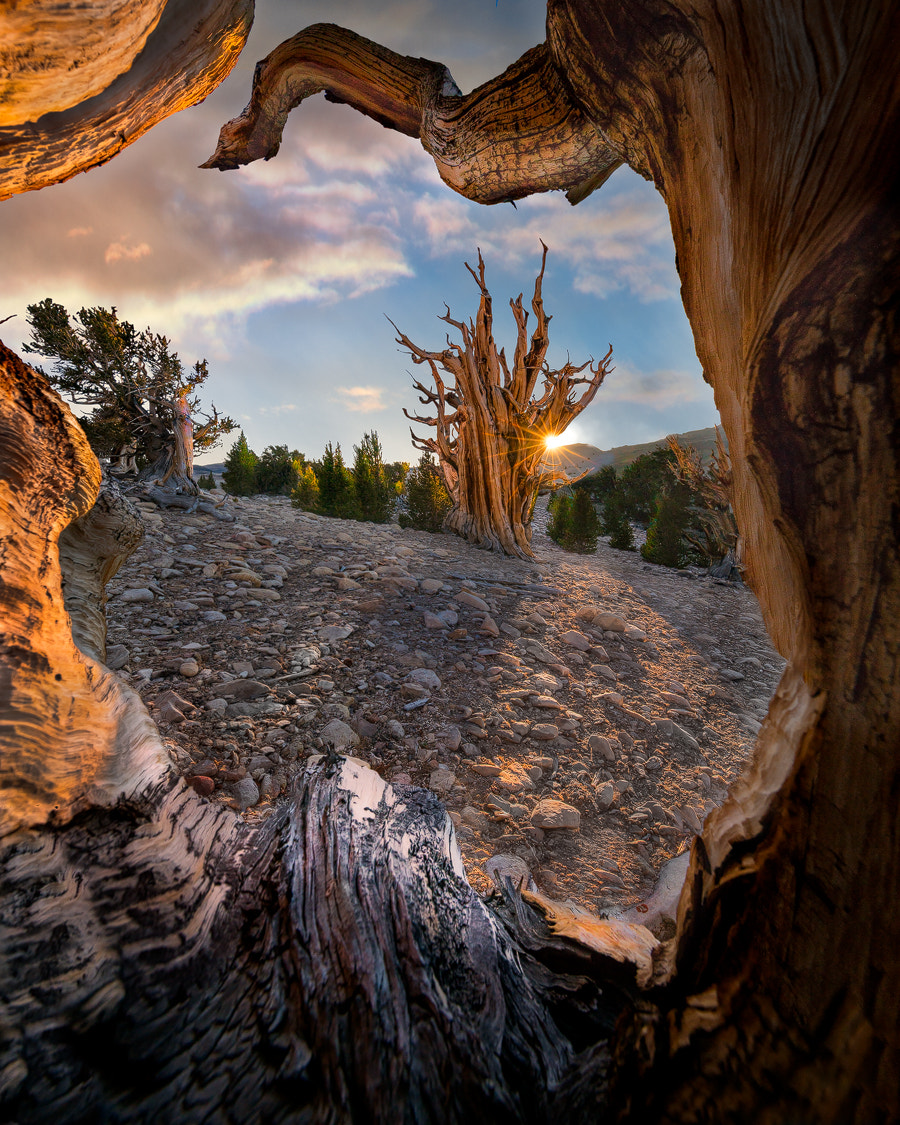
x=606 y=794
x=244 y=690
x=414 y=691
x=189 y=669
x=489 y=627
x=465 y=597
x=172 y=708
x=512 y=867
x=546 y=702
x=431 y=585
x=602 y=746
x=213 y=615
x=731 y=675
x=395 y=729
x=331 y=634
x=216 y=704
x=117 y=656
x=425 y=677
x=202 y=785
x=539 y=652
x=144 y=595
x=268 y=788
x=575 y=639
x=338 y=735
x=514 y=779
x=550 y=813
x=246 y=793
x=610 y=622
x=441 y=781
x=434 y=621
x=475 y=818
x=345 y=584
x=451 y=738
x=487 y=769
x=690 y=818
x=544 y=731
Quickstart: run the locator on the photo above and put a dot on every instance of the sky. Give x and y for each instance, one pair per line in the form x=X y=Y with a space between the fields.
x=282 y=274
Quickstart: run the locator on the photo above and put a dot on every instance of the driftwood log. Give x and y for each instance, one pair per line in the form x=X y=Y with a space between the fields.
x=155 y=950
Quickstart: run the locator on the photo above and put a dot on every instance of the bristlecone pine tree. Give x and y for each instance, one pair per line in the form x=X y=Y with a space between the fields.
x=490 y=426
x=239 y=477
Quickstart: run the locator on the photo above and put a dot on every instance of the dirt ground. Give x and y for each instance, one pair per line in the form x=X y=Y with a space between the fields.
x=579 y=715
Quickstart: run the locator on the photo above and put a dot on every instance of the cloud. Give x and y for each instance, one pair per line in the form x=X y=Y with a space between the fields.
x=363 y=400
x=660 y=389
x=79 y=232
x=118 y=251
x=282 y=408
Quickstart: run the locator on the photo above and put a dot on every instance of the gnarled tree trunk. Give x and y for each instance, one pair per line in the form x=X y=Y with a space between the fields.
x=491 y=442
x=772 y=134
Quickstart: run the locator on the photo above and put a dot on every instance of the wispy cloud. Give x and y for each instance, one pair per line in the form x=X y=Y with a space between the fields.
x=282 y=408
x=119 y=251
x=363 y=400
x=79 y=232
x=660 y=389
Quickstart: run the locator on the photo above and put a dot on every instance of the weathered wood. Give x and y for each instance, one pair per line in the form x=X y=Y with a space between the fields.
x=771 y=132
x=192 y=503
x=87 y=79
x=490 y=425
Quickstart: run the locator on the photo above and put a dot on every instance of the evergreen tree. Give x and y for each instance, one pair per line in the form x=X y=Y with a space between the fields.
x=206 y=481
x=275 y=470
x=559 y=526
x=615 y=522
x=665 y=537
x=305 y=493
x=427 y=498
x=239 y=477
x=585 y=524
x=643 y=482
x=375 y=494
x=337 y=496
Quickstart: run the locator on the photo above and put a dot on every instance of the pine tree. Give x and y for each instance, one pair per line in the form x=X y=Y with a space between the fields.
x=427 y=498
x=585 y=524
x=665 y=537
x=375 y=494
x=275 y=471
x=559 y=526
x=337 y=496
x=615 y=522
x=239 y=477
x=305 y=493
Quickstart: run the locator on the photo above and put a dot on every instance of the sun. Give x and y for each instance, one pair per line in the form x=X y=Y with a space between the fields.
x=554 y=441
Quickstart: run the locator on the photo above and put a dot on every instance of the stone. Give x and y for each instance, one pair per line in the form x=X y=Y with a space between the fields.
x=431 y=585
x=489 y=627
x=551 y=813
x=268 y=788
x=189 y=669
x=598 y=744
x=244 y=690
x=512 y=867
x=475 y=818
x=331 y=634
x=441 y=781
x=413 y=691
x=451 y=738
x=544 y=731
x=575 y=639
x=433 y=621
x=117 y=656
x=425 y=677
x=606 y=794
x=202 y=785
x=487 y=769
x=465 y=597
x=395 y=729
x=144 y=595
x=213 y=616
x=514 y=779
x=339 y=735
x=539 y=652
x=610 y=622
x=246 y=793
x=731 y=675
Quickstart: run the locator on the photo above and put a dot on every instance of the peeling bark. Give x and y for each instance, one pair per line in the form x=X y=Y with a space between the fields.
x=86 y=80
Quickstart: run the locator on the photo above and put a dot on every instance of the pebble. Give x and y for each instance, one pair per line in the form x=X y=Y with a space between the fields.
x=246 y=793
x=465 y=597
x=441 y=781
x=575 y=639
x=189 y=669
x=117 y=656
x=140 y=595
x=425 y=677
x=503 y=866
x=550 y=813
x=545 y=731
x=338 y=735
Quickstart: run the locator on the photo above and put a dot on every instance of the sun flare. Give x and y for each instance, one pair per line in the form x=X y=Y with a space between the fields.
x=554 y=441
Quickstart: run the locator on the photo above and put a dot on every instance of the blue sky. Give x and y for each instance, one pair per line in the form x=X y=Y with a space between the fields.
x=282 y=274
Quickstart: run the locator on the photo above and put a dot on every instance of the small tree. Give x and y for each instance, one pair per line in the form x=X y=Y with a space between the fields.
x=715 y=534
x=239 y=477
x=146 y=414
x=665 y=543
x=643 y=482
x=206 y=481
x=375 y=495
x=427 y=498
x=305 y=493
x=276 y=473
x=559 y=525
x=337 y=496
x=490 y=424
x=615 y=522
x=585 y=523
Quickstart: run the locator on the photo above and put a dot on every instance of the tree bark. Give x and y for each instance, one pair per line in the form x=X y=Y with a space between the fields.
x=491 y=442
x=85 y=83
x=771 y=133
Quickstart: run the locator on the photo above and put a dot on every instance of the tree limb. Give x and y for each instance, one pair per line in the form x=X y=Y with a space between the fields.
x=518 y=134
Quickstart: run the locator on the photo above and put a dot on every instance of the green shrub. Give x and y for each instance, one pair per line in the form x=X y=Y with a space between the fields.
x=585 y=524
x=206 y=481
x=427 y=498
x=239 y=477
x=559 y=526
x=305 y=493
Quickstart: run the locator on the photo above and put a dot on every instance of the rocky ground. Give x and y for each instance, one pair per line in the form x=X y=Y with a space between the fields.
x=579 y=715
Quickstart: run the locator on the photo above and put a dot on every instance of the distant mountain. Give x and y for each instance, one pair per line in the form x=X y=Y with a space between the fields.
x=574 y=459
